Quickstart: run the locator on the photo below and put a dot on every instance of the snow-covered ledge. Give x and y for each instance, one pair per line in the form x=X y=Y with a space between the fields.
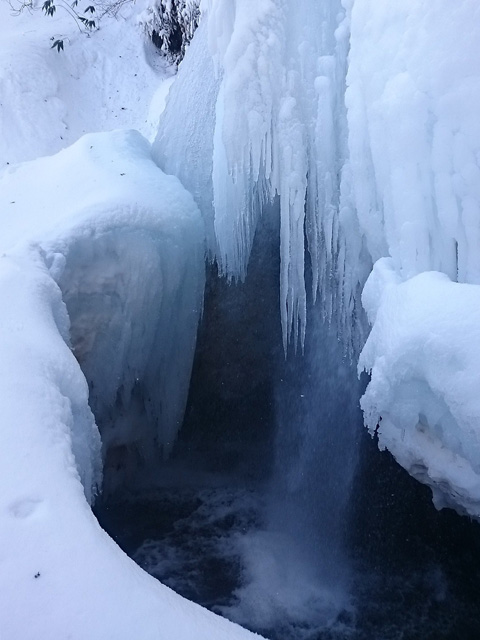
x=424 y=396
x=67 y=221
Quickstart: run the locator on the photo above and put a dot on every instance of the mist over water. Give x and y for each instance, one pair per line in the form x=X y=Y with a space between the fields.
x=253 y=497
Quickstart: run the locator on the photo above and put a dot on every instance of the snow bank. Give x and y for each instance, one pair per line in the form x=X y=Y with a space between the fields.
x=125 y=244
x=101 y=81
x=423 y=354
x=100 y=224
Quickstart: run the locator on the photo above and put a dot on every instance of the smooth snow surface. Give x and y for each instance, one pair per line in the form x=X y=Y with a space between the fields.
x=61 y=575
x=101 y=81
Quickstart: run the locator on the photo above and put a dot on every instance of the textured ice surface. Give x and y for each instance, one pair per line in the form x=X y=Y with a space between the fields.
x=414 y=142
x=260 y=92
x=423 y=354
x=125 y=244
x=361 y=117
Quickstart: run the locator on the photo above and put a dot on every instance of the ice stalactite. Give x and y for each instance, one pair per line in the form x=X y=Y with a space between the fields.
x=361 y=119
x=268 y=83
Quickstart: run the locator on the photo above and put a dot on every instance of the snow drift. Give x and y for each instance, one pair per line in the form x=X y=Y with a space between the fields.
x=423 y=357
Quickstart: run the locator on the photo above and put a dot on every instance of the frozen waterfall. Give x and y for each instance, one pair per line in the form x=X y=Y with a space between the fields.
x=362 y=121
x=261 y=91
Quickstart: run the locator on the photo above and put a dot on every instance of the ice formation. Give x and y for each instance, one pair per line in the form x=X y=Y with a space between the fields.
x=414 y=141
x=125 y=244
x=362 y=120
x=262 y=86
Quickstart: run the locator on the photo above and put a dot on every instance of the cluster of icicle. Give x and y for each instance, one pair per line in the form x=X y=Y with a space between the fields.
x=274 y=120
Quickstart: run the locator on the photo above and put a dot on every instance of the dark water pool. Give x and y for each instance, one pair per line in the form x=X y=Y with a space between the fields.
x=415 y=572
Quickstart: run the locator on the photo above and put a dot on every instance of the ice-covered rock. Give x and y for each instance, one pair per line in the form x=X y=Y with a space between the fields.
x=422 y=400
x=125 y=244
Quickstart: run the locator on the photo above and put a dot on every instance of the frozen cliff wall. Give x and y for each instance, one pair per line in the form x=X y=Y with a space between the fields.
x=414 y=134
x=361 y=117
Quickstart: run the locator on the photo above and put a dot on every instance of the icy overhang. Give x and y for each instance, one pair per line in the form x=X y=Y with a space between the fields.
x=423 y=399
x=125 y=244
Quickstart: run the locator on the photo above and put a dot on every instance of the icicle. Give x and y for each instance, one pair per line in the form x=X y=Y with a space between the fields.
x=277 y=121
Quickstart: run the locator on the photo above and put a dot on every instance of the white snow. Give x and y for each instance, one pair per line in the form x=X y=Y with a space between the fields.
x=125 y=244
x=103 y=222
x=100 y=81
x=423 y=355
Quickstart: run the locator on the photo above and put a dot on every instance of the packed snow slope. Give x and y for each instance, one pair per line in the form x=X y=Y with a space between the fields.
x=102 y=80
x=361 y=116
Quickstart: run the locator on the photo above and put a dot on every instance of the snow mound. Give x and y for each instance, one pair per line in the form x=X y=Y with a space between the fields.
x=102 y=80
x=423 y=354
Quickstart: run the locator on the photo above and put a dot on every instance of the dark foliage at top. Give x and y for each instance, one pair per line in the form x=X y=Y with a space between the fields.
x=171 y=26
